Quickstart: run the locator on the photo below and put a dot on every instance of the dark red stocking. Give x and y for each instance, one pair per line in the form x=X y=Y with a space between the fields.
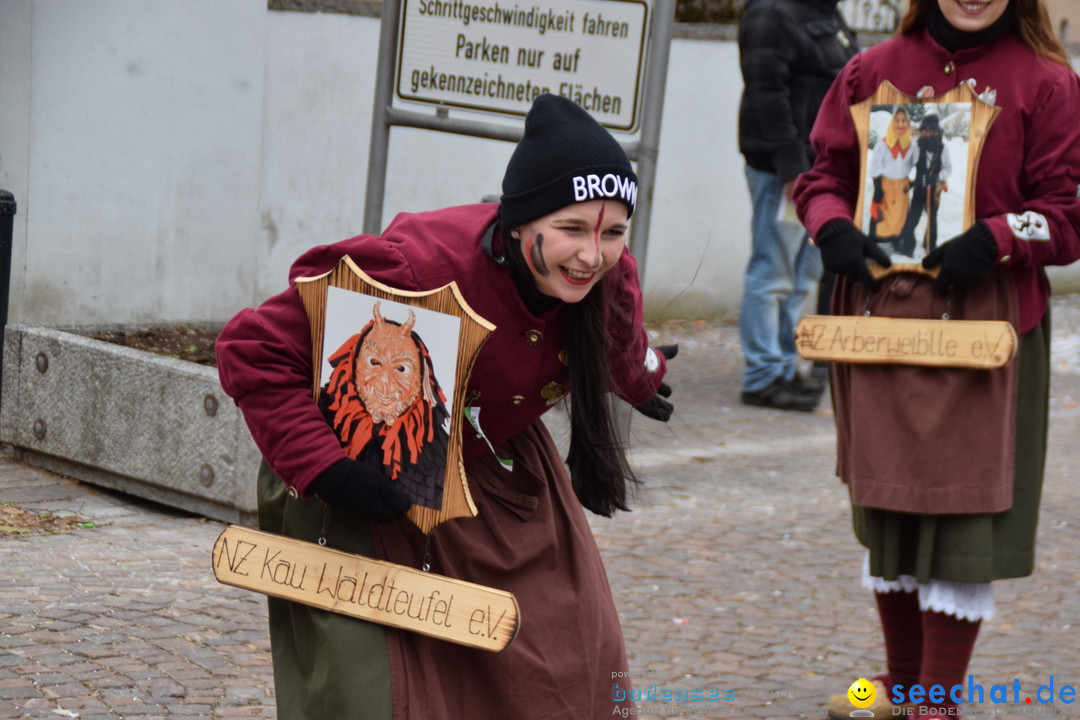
x=947 y=645
x=902 y=624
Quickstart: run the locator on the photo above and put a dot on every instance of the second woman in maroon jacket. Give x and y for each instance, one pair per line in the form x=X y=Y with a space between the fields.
x=945 y=466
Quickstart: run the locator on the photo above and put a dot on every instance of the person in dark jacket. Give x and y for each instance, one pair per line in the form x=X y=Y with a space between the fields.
x=790 y=51
x=932 y=168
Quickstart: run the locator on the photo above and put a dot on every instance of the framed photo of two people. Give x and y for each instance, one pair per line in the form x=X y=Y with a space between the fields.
x=918 y=169
x=917 y=180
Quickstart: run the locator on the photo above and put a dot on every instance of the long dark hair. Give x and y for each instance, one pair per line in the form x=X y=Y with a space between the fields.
x=599 y=470
x=1032 y=22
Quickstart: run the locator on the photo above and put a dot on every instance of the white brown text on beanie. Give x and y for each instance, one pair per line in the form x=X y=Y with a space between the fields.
x=564 y=157
x=595 y=187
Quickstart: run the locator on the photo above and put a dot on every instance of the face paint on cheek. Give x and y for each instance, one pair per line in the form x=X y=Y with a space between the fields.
x=596 y=235
x=535 y=254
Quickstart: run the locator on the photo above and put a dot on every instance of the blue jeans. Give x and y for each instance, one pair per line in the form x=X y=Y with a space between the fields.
x=784 y=268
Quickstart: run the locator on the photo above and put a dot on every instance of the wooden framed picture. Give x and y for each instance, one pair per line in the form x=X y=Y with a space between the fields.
x=918 y=170
x=917 y=179
x=390 y=372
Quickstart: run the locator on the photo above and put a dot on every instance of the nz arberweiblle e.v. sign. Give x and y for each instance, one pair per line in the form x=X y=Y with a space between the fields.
x=917 y=180
x=390 y=372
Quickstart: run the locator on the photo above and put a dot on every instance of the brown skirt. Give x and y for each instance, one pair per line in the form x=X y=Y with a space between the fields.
x=982 y=547
x=927 y=439
x=530 y=538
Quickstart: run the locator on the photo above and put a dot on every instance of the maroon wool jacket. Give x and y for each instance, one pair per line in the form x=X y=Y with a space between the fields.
x=264 y=354
x=1030 y=160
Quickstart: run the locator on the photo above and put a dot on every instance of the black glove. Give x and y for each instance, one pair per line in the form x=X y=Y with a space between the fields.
x=845 y=250
x=362 y=491
x=657 y=407
x=668 y=351
x=879 y=192
x=966 y=259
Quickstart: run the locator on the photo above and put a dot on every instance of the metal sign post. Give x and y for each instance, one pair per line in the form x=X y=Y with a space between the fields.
x=609 y=56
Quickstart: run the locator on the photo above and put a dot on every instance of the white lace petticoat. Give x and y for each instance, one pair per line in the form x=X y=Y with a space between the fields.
x=967 y=601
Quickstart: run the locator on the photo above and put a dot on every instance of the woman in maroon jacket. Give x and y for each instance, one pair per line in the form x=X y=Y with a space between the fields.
x=945 y=466
x=548 y=268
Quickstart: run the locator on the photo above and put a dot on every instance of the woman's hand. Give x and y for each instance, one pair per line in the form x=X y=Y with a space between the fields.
x=362 y=491
x=966 y=259
x=658 y=407
x=845 y=250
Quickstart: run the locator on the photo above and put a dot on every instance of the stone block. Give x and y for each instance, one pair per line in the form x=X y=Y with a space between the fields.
x=144 y=424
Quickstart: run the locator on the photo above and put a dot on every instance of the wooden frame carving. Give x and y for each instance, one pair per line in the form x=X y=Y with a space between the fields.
x=345 y=303
x=900 y=204
x=919 y=207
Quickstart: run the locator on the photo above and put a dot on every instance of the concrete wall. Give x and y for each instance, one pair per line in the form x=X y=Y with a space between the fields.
x=1065 y=15
x=130 y=134
x=170 y=159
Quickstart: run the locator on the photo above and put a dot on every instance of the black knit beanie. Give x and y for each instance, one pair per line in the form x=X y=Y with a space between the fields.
x=564 y=157
x=930 y=122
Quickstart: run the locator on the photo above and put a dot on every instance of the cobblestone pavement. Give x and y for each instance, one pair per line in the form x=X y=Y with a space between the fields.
x=738 y=572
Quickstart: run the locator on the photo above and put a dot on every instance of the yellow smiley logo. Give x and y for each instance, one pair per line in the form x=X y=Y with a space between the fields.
x=861 y=693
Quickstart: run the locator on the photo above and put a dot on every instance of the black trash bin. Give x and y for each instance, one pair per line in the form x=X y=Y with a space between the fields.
x=7 y=220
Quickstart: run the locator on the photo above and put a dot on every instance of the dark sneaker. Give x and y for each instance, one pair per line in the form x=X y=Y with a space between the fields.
x=808 y=384
x=781 y=395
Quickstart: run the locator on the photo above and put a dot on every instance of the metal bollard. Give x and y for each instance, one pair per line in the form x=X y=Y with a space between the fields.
x=7 y=220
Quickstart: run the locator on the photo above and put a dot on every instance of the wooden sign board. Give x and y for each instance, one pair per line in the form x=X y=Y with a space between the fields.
x=419 y=446
x=977 y=344
x=918 y=168
x=361 y=587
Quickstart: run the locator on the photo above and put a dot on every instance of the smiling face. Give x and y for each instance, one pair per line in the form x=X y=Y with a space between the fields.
x=862 y=693
x=901 y=123
x=569 y=250
x=972 y=15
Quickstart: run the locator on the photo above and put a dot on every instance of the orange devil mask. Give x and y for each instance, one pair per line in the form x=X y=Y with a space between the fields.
x=383 y=385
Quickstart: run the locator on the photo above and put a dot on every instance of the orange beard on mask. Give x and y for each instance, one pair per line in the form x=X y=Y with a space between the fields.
x=382 y=387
